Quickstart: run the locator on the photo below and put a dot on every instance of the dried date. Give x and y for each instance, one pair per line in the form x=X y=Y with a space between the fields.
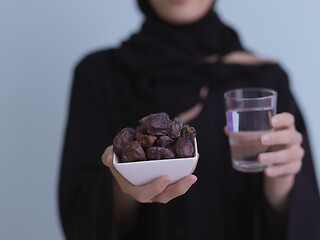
x=122 y=140
x=176 y=127
x=188 y=132
x=145 y=140
x=171 y=148
x=156 y=153
x=156 y=124
x=156 y=138
x=134 y=152
x=183 y=147
x=163 y=141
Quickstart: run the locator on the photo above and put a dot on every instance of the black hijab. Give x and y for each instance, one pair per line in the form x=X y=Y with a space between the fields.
x=166 y=61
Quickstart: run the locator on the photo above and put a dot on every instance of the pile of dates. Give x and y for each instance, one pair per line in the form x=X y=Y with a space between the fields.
x=157 y=137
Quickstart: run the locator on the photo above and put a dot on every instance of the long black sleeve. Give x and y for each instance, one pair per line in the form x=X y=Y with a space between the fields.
x=85 y=190
x=303 y=218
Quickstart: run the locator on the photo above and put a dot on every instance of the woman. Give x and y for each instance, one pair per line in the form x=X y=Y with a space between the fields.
x=181 y=62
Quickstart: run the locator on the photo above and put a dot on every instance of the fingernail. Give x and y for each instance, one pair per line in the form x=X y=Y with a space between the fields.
x=264 y=159
x=265 y=139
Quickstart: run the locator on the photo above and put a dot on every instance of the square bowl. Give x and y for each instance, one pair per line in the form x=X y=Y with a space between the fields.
x=143 y=172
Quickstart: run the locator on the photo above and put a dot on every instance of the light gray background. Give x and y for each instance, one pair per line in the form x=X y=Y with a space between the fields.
x=40 y=42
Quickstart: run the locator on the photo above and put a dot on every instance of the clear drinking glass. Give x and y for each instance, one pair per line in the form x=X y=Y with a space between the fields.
x=248 y=113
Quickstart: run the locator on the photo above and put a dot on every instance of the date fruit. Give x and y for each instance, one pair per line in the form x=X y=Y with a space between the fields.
x=163 y=141
x=156 y=124
x=134 y=152
x=184 y=147
x=157 y=153
x=188 y=132
x=145 y=140
x=122 y=140
x=157 y=137
x=176 y=127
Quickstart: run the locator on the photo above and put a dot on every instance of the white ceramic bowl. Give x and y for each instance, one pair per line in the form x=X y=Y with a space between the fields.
x=142 y=172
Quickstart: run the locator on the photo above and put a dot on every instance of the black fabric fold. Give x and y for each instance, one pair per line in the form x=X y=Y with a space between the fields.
x=166 y=54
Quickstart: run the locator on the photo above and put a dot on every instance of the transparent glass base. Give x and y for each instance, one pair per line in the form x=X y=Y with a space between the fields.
x=249 y=166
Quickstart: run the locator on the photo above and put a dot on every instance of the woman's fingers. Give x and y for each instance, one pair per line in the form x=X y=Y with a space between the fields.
x=107 y=157
x=294 y=153
x=282 y=120
x=282 y=137
x=147 y=192
x=226 y=132
x=175 y=190
x=156 y=191
x=286 y=169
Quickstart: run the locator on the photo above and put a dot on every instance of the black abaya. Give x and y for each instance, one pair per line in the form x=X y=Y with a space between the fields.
x=109 y=93
x=223 y=204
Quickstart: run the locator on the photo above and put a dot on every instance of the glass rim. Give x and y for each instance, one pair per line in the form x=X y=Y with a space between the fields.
x=272 y=92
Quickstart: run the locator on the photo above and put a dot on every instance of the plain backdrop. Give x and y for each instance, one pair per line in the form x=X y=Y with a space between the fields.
x=42 y=40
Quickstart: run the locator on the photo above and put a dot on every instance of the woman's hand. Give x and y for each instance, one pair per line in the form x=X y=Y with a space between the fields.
x=160 y=190
x=286 y=159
